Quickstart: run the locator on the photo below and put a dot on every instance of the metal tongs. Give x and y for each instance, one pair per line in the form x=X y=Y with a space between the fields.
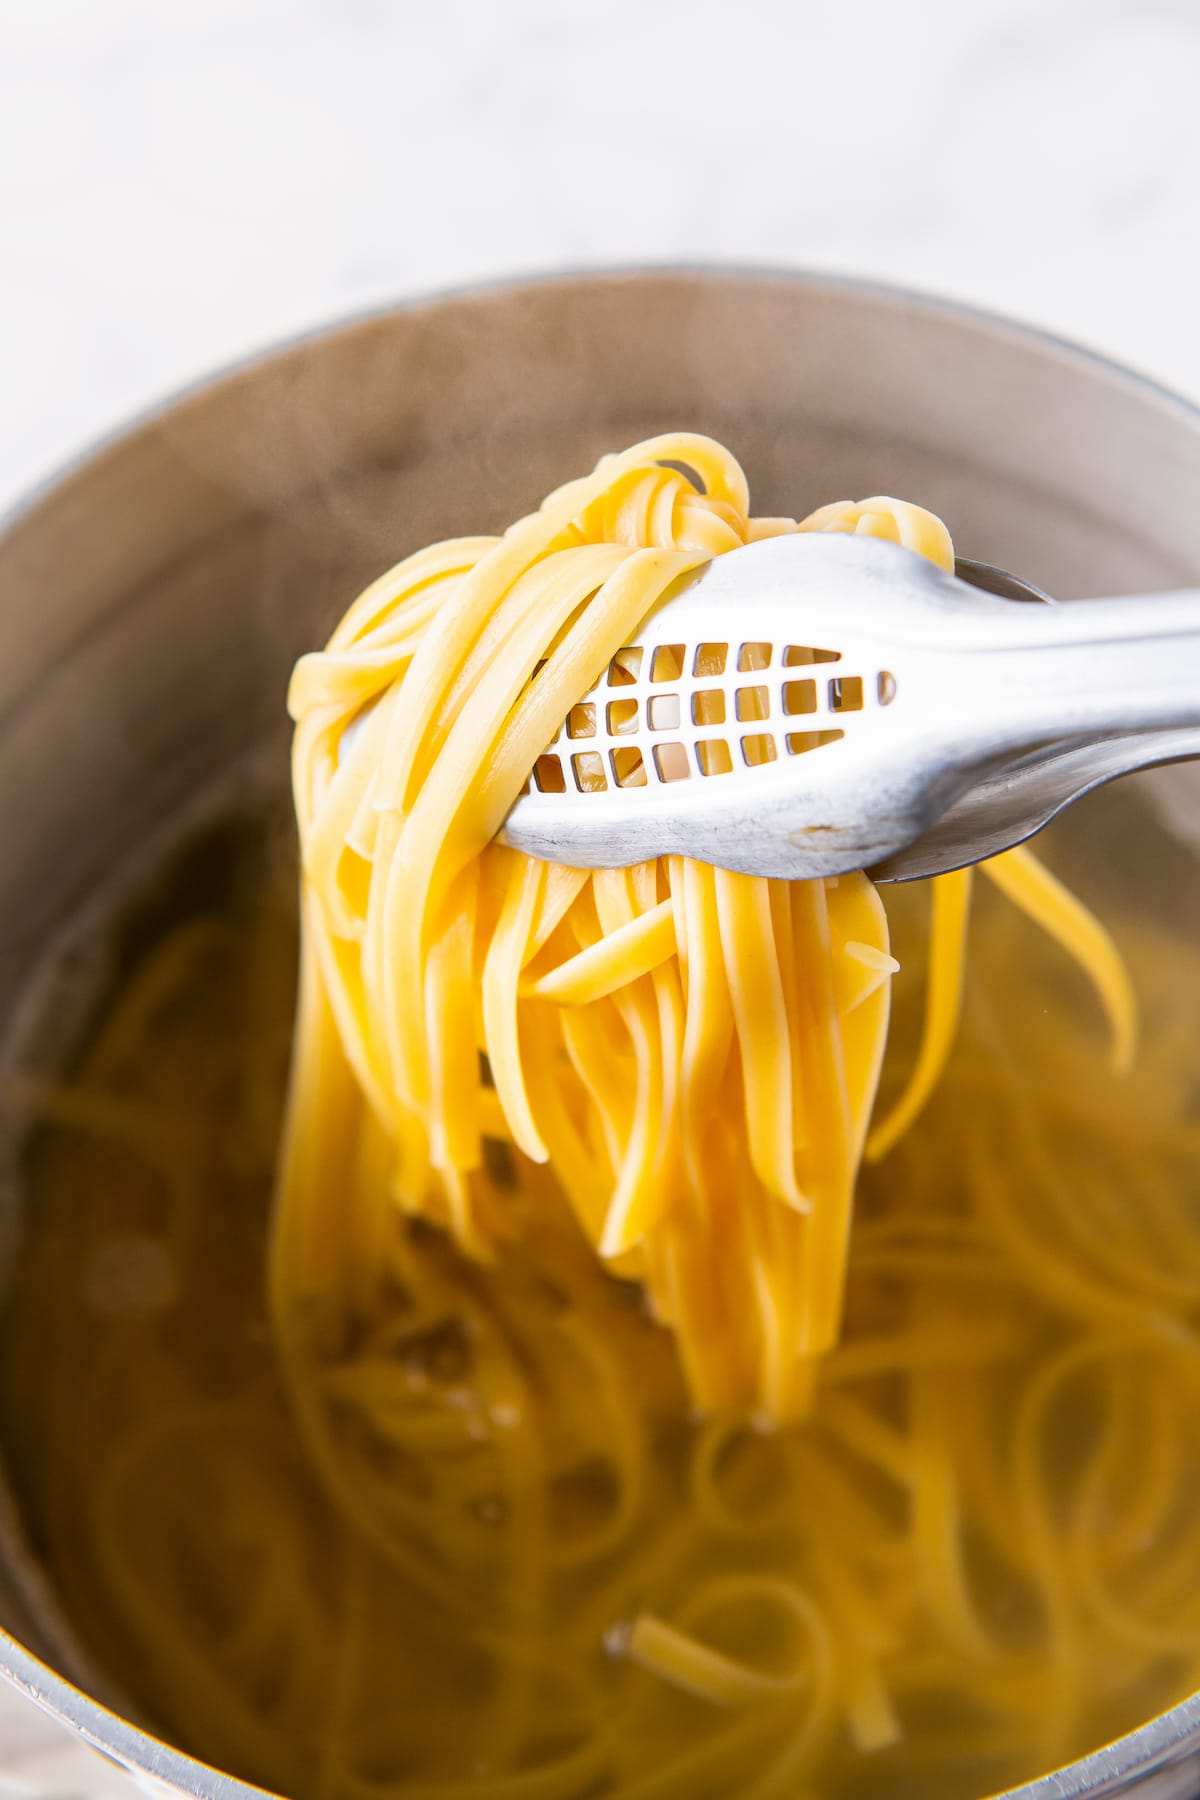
x=824 y=702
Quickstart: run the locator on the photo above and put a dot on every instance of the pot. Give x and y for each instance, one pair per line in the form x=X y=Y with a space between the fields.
x=157 y=593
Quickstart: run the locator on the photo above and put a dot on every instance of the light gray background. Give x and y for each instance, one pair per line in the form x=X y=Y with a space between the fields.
x=184 y=180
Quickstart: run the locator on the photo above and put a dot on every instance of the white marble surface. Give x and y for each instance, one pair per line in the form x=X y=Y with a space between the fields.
x=183 y=181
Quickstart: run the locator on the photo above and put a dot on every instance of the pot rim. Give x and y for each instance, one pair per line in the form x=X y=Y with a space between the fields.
x=897 y=295
x=1154 y=1745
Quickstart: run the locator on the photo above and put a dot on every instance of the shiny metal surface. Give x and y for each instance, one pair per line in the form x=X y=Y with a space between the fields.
x=854 y=745
x=152 y=601
x=1001 y=582
x=1022 y=797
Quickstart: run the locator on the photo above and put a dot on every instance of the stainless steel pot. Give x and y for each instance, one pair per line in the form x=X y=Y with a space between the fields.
x=153 y=598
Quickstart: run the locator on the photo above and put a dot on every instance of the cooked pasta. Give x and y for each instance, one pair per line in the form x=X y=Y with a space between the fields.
x=693 y=1052
x=580 y=1450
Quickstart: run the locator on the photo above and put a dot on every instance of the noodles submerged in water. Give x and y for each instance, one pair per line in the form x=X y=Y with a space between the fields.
x=607 y=1460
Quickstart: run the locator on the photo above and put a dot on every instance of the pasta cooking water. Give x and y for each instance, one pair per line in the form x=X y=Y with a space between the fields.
x=607 y=1460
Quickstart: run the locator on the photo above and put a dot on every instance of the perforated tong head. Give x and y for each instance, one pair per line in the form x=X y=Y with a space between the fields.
x=822 y=702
